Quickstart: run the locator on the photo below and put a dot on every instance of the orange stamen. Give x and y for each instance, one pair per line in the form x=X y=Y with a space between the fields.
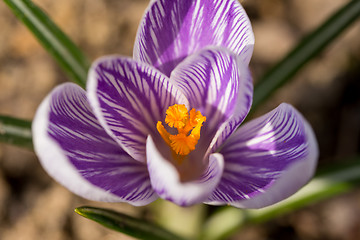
x=188 y=126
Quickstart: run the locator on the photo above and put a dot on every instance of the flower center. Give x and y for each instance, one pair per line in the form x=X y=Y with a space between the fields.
x=188 y=126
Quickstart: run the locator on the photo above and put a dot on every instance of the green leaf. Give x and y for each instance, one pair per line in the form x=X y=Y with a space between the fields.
x=52 y=38
x=332 y=181
x=305 y=51
x=126 y=224
x=15 y=131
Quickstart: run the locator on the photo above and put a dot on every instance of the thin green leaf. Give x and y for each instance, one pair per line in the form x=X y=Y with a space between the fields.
x=70 y=58
x=126 y=224
x=306 y=50
x=15 y=131
x=330 y=182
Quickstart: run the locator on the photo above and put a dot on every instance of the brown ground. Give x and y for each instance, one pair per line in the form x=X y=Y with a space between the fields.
x=326 y=91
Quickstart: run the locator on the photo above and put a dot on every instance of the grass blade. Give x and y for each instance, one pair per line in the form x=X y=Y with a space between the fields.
x=15 y=131
x=312 y=45
x=65 y=52
x=129 y=225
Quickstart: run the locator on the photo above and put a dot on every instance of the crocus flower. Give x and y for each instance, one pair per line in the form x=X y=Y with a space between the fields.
x=165 y=123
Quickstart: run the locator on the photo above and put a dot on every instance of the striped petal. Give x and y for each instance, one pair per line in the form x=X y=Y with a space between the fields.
x=218 y=84
x=172 y=30
x=267 y=160
x=129 y=98
x=76 y=151
x=166 y=181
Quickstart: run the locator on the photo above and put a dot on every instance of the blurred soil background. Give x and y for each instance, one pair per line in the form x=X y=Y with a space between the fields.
x=326 y=91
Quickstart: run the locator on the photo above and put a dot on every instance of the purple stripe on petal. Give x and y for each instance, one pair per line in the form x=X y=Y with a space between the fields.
x=129 y=98
x=165 y=179
x=172 y=30
x=267 y=160
x=76 y=151
x=218 y=84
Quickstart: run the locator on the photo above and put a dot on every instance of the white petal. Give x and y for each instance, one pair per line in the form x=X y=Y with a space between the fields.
x=165 y=179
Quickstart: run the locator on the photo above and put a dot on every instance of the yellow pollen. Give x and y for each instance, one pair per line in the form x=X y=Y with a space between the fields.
x=176 y=116
x=188 y=126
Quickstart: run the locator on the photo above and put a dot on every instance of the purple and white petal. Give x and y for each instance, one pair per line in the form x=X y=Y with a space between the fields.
x=267 y=160
x=218 y=84
x=165 y=178
x=129 y=98
x=77 y=152
x=172 y=30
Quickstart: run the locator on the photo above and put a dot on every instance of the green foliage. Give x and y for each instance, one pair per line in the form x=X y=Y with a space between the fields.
x=64 y=51
x=126 y=224
x=307 y=49
x=15 y=131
